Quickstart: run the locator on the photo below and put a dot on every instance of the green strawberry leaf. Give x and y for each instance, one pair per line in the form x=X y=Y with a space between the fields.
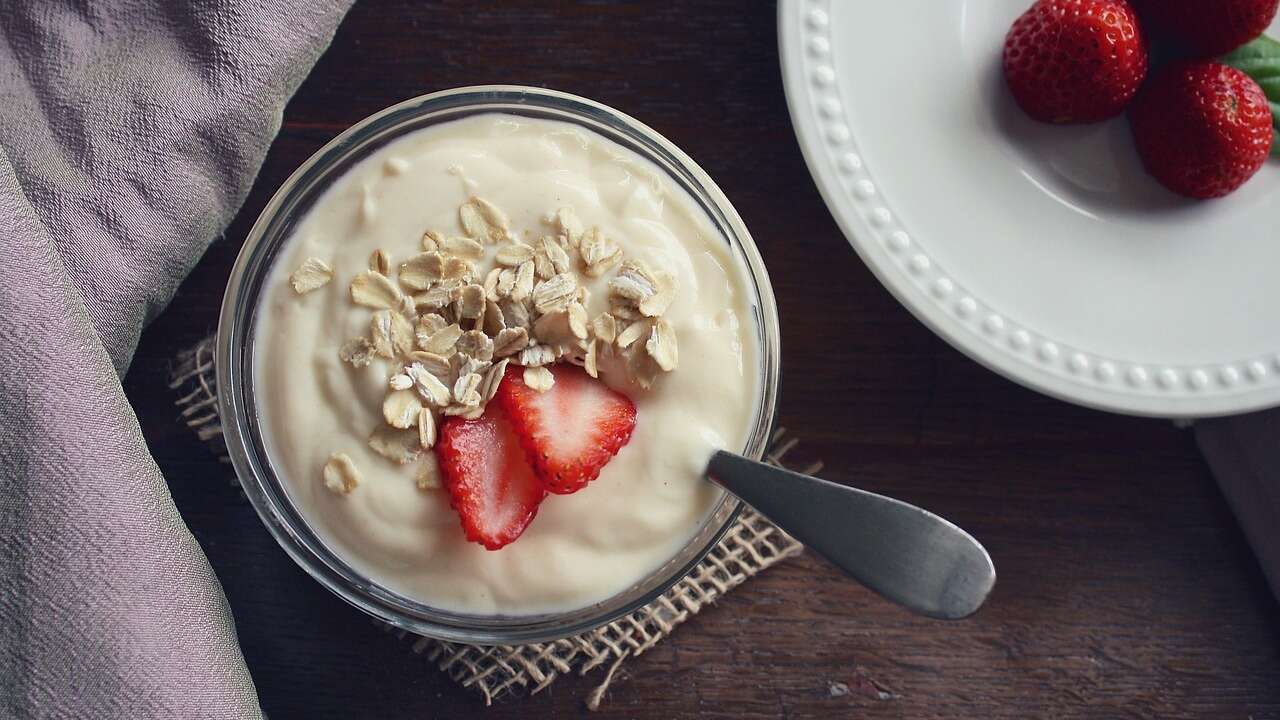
x=1260 y=60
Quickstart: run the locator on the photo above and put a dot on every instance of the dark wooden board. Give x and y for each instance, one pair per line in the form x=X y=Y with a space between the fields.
x=1126 y=589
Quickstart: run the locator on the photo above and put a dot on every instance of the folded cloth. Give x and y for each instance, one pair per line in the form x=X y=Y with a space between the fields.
x=1244 y=453
x=130 y=133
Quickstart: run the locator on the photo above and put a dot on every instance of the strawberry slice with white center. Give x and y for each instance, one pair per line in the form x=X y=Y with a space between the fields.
x=490 y=482
x=570 y=431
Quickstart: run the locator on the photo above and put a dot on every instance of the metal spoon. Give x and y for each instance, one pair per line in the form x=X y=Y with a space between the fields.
x=905 y=553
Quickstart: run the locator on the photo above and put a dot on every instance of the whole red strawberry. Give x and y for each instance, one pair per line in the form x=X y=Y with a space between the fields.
x=1207 y=28
x=1202 y=128
x=1075 y=61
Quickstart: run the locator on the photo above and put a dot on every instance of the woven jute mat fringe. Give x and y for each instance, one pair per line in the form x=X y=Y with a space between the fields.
x=751 y=545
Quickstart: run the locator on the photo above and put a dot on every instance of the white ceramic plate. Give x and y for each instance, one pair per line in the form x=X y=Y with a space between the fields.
x=1043 y=252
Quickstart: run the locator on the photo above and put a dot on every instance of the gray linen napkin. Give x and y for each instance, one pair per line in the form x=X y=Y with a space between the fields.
x=1244 y=453
x=130 y=133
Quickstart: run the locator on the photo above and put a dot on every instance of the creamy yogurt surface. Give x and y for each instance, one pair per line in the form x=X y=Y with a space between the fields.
x=581 y=548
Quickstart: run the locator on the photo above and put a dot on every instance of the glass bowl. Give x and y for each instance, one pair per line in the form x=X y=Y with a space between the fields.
x=235 y=348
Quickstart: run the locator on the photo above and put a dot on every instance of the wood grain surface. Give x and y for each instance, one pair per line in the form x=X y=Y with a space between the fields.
x=1126 y=589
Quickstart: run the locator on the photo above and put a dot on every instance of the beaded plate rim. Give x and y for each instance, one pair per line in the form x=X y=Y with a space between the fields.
x=905 y=267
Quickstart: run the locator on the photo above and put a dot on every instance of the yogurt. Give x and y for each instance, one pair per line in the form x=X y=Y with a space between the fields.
x=581 y=548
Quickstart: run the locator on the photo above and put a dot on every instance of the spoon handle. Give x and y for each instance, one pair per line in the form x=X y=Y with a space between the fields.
x=905 y=553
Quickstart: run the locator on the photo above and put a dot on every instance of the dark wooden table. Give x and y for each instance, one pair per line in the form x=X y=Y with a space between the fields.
x=1126 y=589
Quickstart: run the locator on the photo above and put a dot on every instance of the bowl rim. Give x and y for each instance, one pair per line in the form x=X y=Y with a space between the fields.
x=233 y=358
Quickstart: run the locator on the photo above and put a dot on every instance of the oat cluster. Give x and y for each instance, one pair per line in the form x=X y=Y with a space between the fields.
x=452 y=333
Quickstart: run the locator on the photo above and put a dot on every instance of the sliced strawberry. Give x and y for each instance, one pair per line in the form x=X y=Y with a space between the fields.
x=572 y=430
x=490 y=483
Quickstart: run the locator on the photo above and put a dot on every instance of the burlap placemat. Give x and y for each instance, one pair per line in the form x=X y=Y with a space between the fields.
x=751 y=545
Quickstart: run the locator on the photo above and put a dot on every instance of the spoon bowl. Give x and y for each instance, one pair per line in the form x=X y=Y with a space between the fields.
x=905 y=553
